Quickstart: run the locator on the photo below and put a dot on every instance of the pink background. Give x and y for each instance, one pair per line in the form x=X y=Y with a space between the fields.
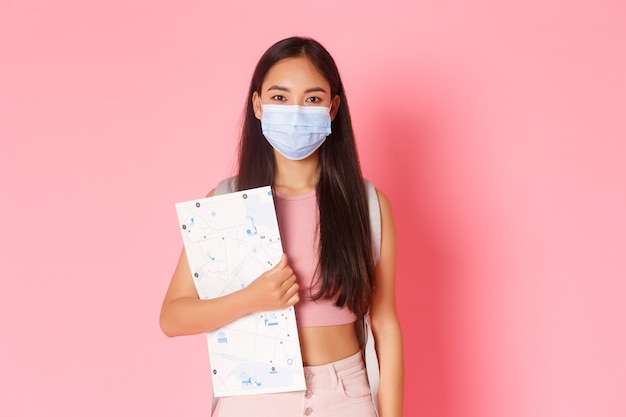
x=497 y=130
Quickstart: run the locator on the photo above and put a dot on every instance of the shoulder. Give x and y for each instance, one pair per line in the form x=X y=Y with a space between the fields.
x=383 y=201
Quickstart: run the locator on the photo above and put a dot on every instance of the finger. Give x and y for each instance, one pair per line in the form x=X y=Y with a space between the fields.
x=293 y=299
x=288 y=282
x=291 y=290
x=282 y=262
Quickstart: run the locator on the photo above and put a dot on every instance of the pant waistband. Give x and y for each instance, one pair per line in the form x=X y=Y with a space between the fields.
x=326 y=375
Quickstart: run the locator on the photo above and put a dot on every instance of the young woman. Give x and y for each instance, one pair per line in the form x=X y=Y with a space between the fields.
x=297 y=137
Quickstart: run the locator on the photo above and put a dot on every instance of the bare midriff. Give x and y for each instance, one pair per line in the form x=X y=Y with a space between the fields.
x=326 y=344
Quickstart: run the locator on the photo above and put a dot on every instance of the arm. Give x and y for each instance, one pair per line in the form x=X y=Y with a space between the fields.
x=183 y=313
x=384 y=320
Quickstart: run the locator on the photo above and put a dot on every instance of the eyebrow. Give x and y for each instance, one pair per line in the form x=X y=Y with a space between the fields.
x=285 y=89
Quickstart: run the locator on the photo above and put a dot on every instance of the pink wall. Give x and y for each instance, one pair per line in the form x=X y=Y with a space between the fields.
x=496 y=130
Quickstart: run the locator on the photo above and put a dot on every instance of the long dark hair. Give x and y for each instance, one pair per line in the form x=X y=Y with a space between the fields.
x=345 y=265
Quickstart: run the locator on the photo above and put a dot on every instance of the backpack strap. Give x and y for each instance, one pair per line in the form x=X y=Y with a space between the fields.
x=225 y=186
x=375 y=222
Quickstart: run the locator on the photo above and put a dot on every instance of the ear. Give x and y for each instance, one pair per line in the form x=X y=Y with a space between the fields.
x=256 y=105
x=334 y=107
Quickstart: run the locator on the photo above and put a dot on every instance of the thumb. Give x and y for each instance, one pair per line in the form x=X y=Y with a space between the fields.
x=281 y=263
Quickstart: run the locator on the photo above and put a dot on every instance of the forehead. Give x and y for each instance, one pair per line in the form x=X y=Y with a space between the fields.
x=295 y=73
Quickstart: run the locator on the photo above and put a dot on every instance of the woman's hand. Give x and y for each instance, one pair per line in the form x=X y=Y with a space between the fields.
x=183 y=313
x=275 y=289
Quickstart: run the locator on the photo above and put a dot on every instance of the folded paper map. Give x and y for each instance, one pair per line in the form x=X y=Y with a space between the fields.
x=230 y=240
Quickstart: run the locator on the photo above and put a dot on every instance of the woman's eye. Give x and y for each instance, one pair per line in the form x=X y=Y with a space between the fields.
x=278 y=97
x=313 y=100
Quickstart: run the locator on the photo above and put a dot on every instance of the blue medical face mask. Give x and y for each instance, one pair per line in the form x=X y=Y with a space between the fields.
x=295 y=131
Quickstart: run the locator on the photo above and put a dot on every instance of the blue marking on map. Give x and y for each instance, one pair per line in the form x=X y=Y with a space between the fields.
x=251 y=229
x=246 y=381
x=271 y=319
